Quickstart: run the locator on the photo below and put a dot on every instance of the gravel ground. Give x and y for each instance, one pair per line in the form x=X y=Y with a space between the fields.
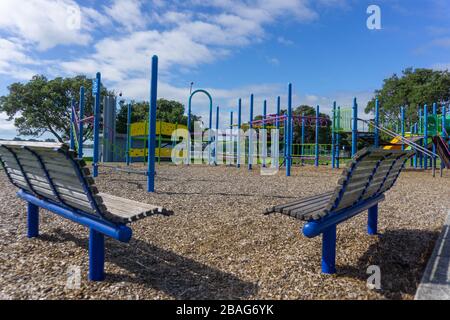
x=218 y=245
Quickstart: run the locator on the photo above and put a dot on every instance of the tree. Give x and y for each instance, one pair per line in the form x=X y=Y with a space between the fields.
x=44 y=106
x=414 y=88
x=166 y=110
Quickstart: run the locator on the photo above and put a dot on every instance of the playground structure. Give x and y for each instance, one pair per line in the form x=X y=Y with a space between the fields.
x=429 y=142
x=77 y=122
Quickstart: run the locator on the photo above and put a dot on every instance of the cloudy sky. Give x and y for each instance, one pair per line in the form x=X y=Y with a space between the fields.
x=232 y=48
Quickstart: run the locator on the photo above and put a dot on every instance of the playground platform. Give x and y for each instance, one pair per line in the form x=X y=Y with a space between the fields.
x=435 y=284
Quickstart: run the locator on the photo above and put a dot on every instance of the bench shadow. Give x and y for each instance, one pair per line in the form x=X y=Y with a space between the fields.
x=163 y=270
x=402 y=256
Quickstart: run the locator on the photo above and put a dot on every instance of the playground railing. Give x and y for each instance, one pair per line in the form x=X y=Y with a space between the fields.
x=407 y=142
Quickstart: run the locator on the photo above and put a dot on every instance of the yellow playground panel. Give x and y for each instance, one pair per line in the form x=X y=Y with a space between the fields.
x=396 y=143
x=163 y=153
x=140 y=129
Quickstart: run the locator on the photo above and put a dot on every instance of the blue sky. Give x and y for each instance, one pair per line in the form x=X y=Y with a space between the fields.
x=232 y=48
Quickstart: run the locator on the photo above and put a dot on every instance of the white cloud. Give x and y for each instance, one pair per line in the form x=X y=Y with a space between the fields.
x=14 y=61
x=127 y=13
x=45 y=22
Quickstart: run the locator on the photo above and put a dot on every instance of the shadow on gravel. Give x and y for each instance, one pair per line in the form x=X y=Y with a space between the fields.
x=166 y=271
x=402 y=256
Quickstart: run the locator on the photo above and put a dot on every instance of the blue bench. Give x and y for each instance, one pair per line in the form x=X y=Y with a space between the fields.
x=367 y=177
x=50 y=176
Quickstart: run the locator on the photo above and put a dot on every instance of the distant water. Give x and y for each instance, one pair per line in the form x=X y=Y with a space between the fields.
x=88 y=152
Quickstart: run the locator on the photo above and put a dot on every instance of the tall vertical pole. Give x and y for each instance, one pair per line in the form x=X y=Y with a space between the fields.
x=415 y=154
x=231 y=148
x=250 y=142
x=333 y=137
x=444 y=119
x=302 y=149
x=277 y=121
x=210 y=133
x=128 y=146
x=72 y=125
x=402 y=123
x=97 y=115
x=316 y=161
x=216 y=152
x=239 y=134
x=81 y=124
x=264 y=154
x=355 y=127
x=436 y=133
x=289 y=133
x=425 y=139
x=421 y=132
x=338 y=148
x=188 y=146
x=377 y=123
x=152 y=127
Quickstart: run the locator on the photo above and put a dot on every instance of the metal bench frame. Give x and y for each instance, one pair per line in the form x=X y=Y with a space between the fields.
x=324 y=221
x=99 y=224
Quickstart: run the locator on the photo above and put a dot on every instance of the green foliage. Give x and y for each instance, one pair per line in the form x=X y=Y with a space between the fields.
x=167 y=110
x=414 y=88
x=310 y=131
x=43 y=106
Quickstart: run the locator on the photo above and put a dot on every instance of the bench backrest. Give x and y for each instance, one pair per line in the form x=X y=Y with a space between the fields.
x=371 y=172
x=52 y=172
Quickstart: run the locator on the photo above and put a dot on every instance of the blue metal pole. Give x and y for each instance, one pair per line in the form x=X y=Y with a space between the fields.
x=285 y=138
x=264 y=127
x=239 y=133
x=289 y=133
x=277 y=122
x=250 y=142
x=231 y=148
x=415 y=154
x=329 y=250
x=96 y=256
x=97 y=115
x=338 y=148
x=377 y=123
x=372 y=221
x=72 y=125
x=402 y=111
x=316 y=161
x=355 y=127
x=128 y=146
x=333 y=138
x=420 y=129
x=81 y=124
x=216 y=152
x=425 y=139
x=302 y=149
x=210 y=131
x=33 y=220
x=152 y=126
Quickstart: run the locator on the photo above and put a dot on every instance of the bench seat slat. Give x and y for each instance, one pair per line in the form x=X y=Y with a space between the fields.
x=370 y=173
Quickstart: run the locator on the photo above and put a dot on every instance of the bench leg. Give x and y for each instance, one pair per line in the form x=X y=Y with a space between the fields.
x=33 y=220
x=96 y=256
x=329 y=250
x=372 y=221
